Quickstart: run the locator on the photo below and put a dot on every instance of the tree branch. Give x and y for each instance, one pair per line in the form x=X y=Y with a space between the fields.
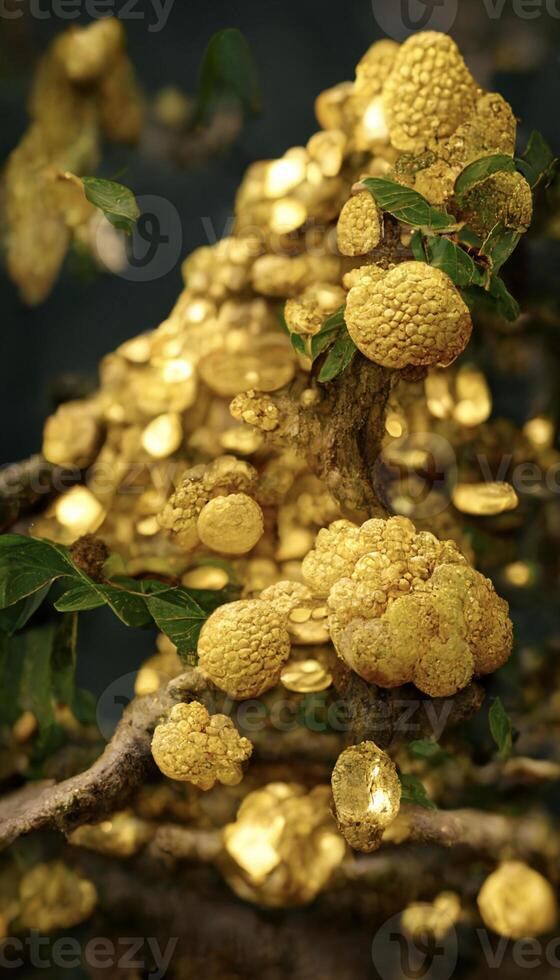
x=111 y=780
x=486 y=833
x=340 y=433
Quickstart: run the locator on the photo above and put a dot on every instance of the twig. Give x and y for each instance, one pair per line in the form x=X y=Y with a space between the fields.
x=486 y=833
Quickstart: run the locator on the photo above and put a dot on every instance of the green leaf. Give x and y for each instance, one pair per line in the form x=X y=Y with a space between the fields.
x=127 y=600
x=453 y=260
x=298 y=343
x=500 y=727
x=496 y=299
x=15 y=617
x=480 y=169
x=115 y=200
x=538 y=161
x=327 y=334
x=228 y=71
x=417 y=246
x=179 y=616
x=339 y=356
x=38 y=680
x=414 y=791
x=84 y=707
x=79 y=599
x=424 y=748
x=28 y=564
x=507 y=305
x=467 y=237
x=499 y=245
x=12 y=664
x=407 y=205
x=63 y=657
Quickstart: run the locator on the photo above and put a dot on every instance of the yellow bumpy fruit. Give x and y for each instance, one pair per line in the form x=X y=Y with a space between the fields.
x=359 y=225
x=232 y=524
x=243 y=646
x=200 y=748
x=429 y=92
x=386 y=583
x=412 y=314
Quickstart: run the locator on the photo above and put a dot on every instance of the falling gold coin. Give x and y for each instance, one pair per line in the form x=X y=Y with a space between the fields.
x=79 y=511
x=227 y=373
x=163 y=435
x=205 y=577
x=474 y=401
x=305 y=677
x=484 y=499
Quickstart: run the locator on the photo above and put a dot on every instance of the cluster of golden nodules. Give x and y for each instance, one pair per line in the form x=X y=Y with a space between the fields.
x=189 y=471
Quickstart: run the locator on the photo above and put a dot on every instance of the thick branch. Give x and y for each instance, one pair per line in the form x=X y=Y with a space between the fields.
x=340 y=433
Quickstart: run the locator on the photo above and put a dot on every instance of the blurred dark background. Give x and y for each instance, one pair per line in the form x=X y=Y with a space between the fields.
x=300 y=48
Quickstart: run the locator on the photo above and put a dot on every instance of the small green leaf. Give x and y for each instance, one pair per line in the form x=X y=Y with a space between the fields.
x=339 y=356
x=506 y=304
x=414 y=791
x=424 y=748
x=228 y=71
x=115 y=200
x=417 y=246
x=298 y=344
x=327 y=334
x=453 y=260
x=407 y=205
x=500 y=727
x=538 y=161
x=178 y=615
x=479 y=169
x=500 y=244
